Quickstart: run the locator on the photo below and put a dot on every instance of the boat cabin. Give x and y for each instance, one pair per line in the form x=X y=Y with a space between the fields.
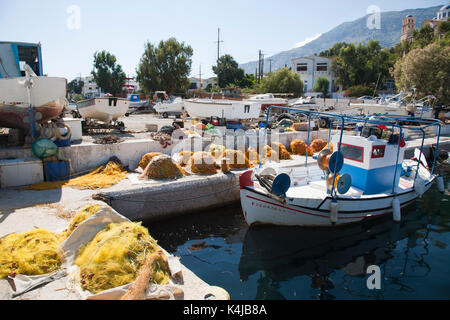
x=13 y=55
x=371 y=161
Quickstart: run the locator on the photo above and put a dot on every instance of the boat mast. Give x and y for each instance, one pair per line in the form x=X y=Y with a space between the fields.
x=218 y=54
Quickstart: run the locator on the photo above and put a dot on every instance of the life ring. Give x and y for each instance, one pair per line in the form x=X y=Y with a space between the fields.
x=58 y=133
x=42 y=131
x=155 y=96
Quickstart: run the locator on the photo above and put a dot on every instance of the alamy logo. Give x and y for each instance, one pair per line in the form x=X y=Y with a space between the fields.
x=74 y=20
x=374 y=18
x=374 y=280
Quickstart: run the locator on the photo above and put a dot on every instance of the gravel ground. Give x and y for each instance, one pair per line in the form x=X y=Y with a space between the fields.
x=135 y=126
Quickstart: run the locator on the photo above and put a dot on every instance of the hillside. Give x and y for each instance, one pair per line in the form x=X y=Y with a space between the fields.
x=355 y=31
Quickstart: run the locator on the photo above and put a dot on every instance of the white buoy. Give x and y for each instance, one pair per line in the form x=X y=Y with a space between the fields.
x=396 y=210
x=440 y=184
x=334 y=210
x=419 y=187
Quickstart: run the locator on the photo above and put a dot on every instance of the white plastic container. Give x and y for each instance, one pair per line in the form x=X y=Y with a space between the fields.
x=75 y=128
x=20 y=172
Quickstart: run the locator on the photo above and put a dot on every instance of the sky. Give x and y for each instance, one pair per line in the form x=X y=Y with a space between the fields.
x=71 y=31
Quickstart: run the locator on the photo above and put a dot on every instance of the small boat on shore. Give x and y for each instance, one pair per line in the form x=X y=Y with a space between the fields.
x=366 y=177
x=22 y=84
x=105 y=109
x=267 y=100
x=228 y=109
x=167 y=107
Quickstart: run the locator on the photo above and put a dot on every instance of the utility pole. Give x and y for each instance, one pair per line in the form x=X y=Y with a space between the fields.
x=200 y=76
x=259 y=66
x=218 y=54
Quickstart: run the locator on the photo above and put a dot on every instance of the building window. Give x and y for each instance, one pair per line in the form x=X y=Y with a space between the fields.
x=302 y=67
x=322 y=66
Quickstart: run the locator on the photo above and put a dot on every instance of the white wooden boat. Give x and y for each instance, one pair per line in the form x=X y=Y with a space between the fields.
x=168 y=107
x=229 y=109
x=47 y=95
x=370 y=176
x=267 y=100
x=105 y=109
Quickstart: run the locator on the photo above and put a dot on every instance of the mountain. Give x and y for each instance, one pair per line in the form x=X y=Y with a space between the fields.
x=355 y=31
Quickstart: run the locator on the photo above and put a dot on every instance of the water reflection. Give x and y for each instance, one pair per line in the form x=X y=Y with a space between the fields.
x=282 y=253
x=309 y=263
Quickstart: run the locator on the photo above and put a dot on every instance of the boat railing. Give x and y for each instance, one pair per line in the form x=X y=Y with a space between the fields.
x=400 y=122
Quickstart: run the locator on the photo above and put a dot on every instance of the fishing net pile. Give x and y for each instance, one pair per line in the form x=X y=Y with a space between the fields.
x=252 y=155
x=216 y=150
x=146 y=158
x=298 y=147
x=79 y=218
x=102 y=177
x=270 y=154
x=185 y=156
x=36 y=252
x=33 y=252
x=165 y=139
x=318 y=145
x=282 y=151
x=114 y=256
x=202 y=162
x=162 y=167
x=236 y=159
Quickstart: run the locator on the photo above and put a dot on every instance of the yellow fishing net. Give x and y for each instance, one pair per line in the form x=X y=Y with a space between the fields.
x=185 y=156
x=236 y=159
x=145 y=160
x=216 y=150
x=163 y=167
x=270 y=154
x=298 y=147
x=33 y=252
x=318 y=145
x=282 y=151
x=102 y=177
x=203 y=163
x=81 y=216
x=252 y=155
x=114 y=256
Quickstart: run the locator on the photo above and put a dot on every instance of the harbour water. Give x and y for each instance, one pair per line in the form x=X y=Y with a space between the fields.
x=318 y=263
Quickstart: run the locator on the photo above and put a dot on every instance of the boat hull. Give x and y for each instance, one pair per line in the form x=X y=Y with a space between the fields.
x=228 y=109
x=103 y=109
x=48 y=97
x=260 y=208
x=176 y=107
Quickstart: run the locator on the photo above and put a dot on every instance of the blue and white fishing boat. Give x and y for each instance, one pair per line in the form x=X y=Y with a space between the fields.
x=367 y=176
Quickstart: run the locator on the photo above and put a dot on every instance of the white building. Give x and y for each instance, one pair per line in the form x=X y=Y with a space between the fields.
x=312 y=67
x=90 y=88
x=444 y=13
x=197 y=83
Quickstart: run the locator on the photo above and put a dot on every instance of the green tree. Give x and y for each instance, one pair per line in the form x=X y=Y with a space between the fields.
x=248 y=81
x=322 y=85
x=426 y=70
x=228 y=71
x=282 y=81
x=423 y=37
x=75 y=86
x=360 y=64
x=108 y=75
x=165 y=67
